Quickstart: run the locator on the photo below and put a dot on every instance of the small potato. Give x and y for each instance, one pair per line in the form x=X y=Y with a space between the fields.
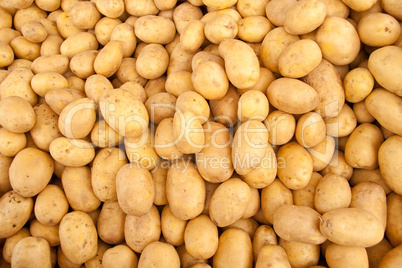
x=254 y=28
x=110 y=225
x=306 y=196
x=78 y=237
x=60 y=98
x=31 y=252
x=332 y=44
x=281 y=127
x=305 y=16
x=108 y=60
x=225 y=109
x=234 y=249
x=151 y=256
x=48 y=232
x=134 y=193
x=358 y=84
x=125 y=33
x=241 y=63
x=77 y=118
x=51 y=205
x=95 y=87
x=121 y=256
x=34 y=32
x=332 y=192
x=148 y=29
x=105 y=166
x=388 y=159
x=310 y=129
x=140 y=231
x=172 y=228
x=274 y=196
x=201 y=237
x=264 y=235
x=298 y=167
x=85 y=15
x=152 y=62
x=82 y=64
x=351 y=227
x=160 y=106
x=11 y=143
x=253 y=105
x=5 y=163
x=210 y=81
x=53 y=63
x=362 y=147
x=71 y=152
x=165 y=145
x=6 y=54
x=179 y=82
x=220 y=27
x=65 y=25
x=346 y=256
x=381 y=104
x=362 y=114
x=193 y=36
x=16 y=211
x=276 y=10
x=300 y=254
x=104 y=28
x=285 y=94
x=180 y=60
x=78 y=189
x=343 y=124
x=79 y=42
x=272 y=255
x=12 y=241
x=194 y=102
x=43 y=83
x=25 y=49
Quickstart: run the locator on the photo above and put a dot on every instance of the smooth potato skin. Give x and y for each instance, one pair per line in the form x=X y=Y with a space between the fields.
x=31 y=252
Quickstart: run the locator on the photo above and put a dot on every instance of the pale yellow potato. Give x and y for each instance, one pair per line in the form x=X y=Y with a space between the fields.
x=125 y=33
x=17 y=114
x=6 y=20
x=104 y=29
x=109 y=58
x=65 y=25
x=254 y=28
x=378 y=29
x=50 y=26
x=272 y=255
x=180 y=60
x=247 y=223
x=276 y=10
x=74 y=82
x=266 y=78
x=193 y=36
x=111 y=9
x=249 y=145
x=310 y=129
x=12 y=241
x=48 y=5
x=57 y=99
x=139 y=231
x=148 y=29
x=394 y=203
x=48 y=232
x=362 y=175
x=105 y=166
x=127 y=72
x=300 y=254
x=97 y=259
x=102 y=135
x=79 y=42
x=82 y=64
x=85 y=15
x=110 y=224
x=25 y=49
x=388 y=157
x=71 y=152
x=392 y=258
x=19 y=63
x=332 y=192
x=220 y=27
x=343 y=124
x=78 y=237
x=77 y=118
x=95 y=87
x=351 y=227
x=179 y=82
x=292 y=96
x=172 y=228
x=362 y=114
x=281 y=127
x=5 y=163
x=392 y=7
x=165 y=5
x=362 y=147
x=214 y=161
x=34 y=31
x=377 y=252
x=140 y=151
x=188 y=132
x=336 y=8
x=305 y=16
x=8 y=34
x=29 y=13
x=249 y=8
x=332 y=44
x=184 y=13
x=194 y=102
x=51 y=205
x=294 y=172
x=46 y=127
x=160 y=106
x=220 y=4
x=43 y=83
x=136 y=88
x=6 y=54
x=11 y=143
x=151 y=256
x=134 y=193
x=264 y=235
x=121 y=256
x=16 y=212
x=253 y=105
x=54 y=63
x=359 y=5
x=358 y=84
x=31 y=252
x=210 y=81
x=152 y=61
x=62 y=260
x=141 y=8
x=234 y=249
x=159 y=176
x=306 y=196
x=338 y=256
x=224 y=110
x=165 y=142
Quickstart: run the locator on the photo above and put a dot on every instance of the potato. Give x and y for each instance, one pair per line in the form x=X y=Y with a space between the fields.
x=219 y=4
x=234 y=249
x=104 y=28
x=16 y=211
x=332 y=44
x=18 y=114
x=351 y=227
x=48 y=5
x=11 y=242
x=362 y=146
x=242 y=67
x=121 y=256
x=378 y=29
x=82 y=64
x=71 y=152
x=140 y=231
x=392 y=8
x=7 y=55
x=332 y=192
x=147 y=28
x=8 y=34
x=179 y=82
x=142 y=8
x=186 y=260
x=382 y=105
x=43 y=83
x=78 y=237
x=358 y=5
x=201 y=237
x=79 y=42
x=104 y=136
x=220 y=27
x=254 y=28
x=272 y=255
x=60 y=98
x=66 y=26
x=6 y=19
x=306 y=196
x=165 y=145
x=78 y=189
x=152 y=62
x=18 y=83
x=362 y=175
x=187 y=132
x=305 y=16
x=301 y=254
x=194 y=102
x=346 y=256
x=180 y=60
x=193 y=36
x=388 y=156
x=358 y=84
x=51 y=46
x=31 y=252
x=336 y=8
x=160 y=106
x=85 y=15
x=141 y=184
x=377 y=252
x=11 y=143
x=5 y=163
x=310 y=129
x=249 y=225
x=253 y=105
x=130 y=111
x=141 y=152
x=25 y=49
x=34 y=31
x=109 y=58
x=392 y=258
x=210 y=81
x=281 y=127
x=62 y=260
x=96 y=261
x=343 y=124
x=172 y=227
x=111 y=223
x=214 y=161
x=151 y=256
x=394 y=203
x=322 y=153
x=274 y=196
x=53 y=63
x=125 y=33
x=96 y=85
x=225 y=109
x=26 y=14
x=48 y=232
x=362 y=114
x=264 y=235
x=51 y=205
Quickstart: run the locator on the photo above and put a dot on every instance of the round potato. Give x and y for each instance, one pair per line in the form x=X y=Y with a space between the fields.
x=150 y=257
x=358 y=84
x=25 y=49
x=34 y=31
x=378 y=29
x=300 y=254
x=201 y=237
x=121 y=256
x=281 y=127
x=310 y=129
x=30 y=252
x=160 y=106
x=152 y=61
x=18 y=114
x=51 y=205
x=220 y=27
x=210 y=81
x=178 y=82
x=71 y=152
x=11 y=143
x=254 y=28
x=85 y=15
x=253 y=105
x=305 y=16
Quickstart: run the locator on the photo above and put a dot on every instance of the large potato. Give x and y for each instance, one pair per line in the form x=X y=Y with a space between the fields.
x=274 y=196
x=149 y=29
x=110 y=223
x=18 y=83
x=51 y=205
x=346 y=256
x=389 y=162
x=150 y=257
x=31 y=252
x=305 y=16
x=120 y=255
x=17 y=114
x=71 y=152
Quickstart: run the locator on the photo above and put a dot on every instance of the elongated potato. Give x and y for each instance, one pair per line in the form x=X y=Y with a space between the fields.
x=305 y=16
x=272 y=255
x=346 y=256
x=150 y=257
x=201 y=237
x=394 y=204
x=51 y=205
x=71 y=152
x=148 y=29
x=274 y=196
x=110 y=224
x=390 y=168
x=172 y=228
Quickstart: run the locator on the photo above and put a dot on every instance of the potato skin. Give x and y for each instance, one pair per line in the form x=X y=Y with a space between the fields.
x=51 y=205
x=394 y=204
x=18 y=114
x=147 y=28
x=110 y=225
x=272 y=255
x=346 y=256
x=150 y=257
x=71 y=152
x=31 y=252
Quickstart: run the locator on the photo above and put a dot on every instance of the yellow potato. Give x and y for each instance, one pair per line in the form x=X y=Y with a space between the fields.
x=95 y=262
x=165 y=145
x=305 y=16
x=8 y=34
x=141 y=8
x=109 y=58
x=362 y=114
x=392 y=258
x=322 y=153
x=110 y=224
x=388 y=159
x=343 y=124
x=96 y=85
x=34 y=31
x=281 y=127
x=336 y=8
x=7 y=54
x=264 y=235
x=276 y=10
x=378 y=29
x=254 y=28
x=377 y=252
x=188 y=132
x=310 y=129
x=60 y=98
x=172 y=228
x=48 y=5
x=12 y=241
x=43 y=83
x=300 y=254
x=220 y=27
x=25 y=49
x=306 y=196
x=193 y=36
x=152 y=61
x=11 y=143
x=194 y=102
x=82 y=64
x=104 y=28
x=272 y=255
x=120 y=255
x=26 y=14
x=124 y=32
x=346 y=256
x=253 y=105
x=180 y=59
x=31 y=251
x=151 y=256
x=52 y=63
x=394 y=203
x=48 y=232
x=65 y=25
x=17 y=114
x=18 y=83
x=210 y=81
x=359 y=5
x=84 y=15
x=78 y=237
x=179 y=82
x=79 y=42
x=71 y=152
x=5 y=163
x=141 y=152
x=148 y=29
x=51 y=46
x=51 y=205
x=392 y=7
x=224 y=110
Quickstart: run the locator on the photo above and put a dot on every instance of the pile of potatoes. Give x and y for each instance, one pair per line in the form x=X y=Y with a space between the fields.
x=201 y=133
